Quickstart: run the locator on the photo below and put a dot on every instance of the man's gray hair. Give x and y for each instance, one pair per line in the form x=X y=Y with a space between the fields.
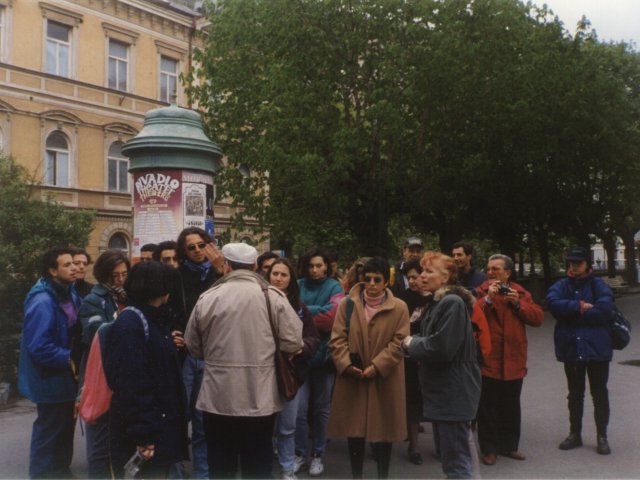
x=508 y=263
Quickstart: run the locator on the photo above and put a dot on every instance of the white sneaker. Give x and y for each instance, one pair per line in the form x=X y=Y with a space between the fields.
x=299 y=463
x=289 y=475
x=316 y=468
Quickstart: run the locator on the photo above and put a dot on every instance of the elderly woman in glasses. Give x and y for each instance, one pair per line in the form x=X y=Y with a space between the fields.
x=369 y=396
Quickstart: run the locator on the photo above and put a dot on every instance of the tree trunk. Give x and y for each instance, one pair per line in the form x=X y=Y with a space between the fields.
x=543 y=246
x=609 y=243
x=631 y=270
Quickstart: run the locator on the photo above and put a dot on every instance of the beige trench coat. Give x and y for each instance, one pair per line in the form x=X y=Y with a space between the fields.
x=229 y=328
x=373 y=409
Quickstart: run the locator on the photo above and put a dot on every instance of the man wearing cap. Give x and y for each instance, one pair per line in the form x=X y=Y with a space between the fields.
x=582 y=305
x=508 y=308
x=413 y=248
x=230 y=330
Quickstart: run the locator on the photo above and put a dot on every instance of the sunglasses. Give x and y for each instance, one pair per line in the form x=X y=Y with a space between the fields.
x=368 y=278
x=193 y=246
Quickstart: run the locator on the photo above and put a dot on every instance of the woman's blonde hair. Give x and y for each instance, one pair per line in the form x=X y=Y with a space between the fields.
x=443 y=263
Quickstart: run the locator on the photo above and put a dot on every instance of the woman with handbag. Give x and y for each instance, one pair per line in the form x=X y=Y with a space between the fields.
x=582 y=305
x=281 y=275
x=369 y=397
x=321 y=294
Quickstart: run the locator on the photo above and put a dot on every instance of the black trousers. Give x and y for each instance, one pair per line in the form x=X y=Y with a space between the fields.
x=381 y=451
x=246 y=440
x=598 y=373
x=499 y=415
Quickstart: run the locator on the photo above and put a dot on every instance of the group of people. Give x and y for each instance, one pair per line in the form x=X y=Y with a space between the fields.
x=194 y=331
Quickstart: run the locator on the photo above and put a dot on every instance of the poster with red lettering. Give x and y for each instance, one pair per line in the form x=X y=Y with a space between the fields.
x=166 y=201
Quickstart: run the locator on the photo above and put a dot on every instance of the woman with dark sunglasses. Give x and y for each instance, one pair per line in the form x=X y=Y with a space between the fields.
x=369 y=396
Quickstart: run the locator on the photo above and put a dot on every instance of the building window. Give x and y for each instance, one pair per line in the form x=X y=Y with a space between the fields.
x=58 y=49
x=168 y=79
x=118 y=166
x=119 y=242
x=57 y=160
x=118 y=65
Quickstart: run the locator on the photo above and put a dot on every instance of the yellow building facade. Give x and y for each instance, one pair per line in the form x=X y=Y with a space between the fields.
x=76 y=78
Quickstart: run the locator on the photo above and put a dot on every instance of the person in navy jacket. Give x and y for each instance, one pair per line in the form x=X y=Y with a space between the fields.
x=142 y=367
x=582 y=305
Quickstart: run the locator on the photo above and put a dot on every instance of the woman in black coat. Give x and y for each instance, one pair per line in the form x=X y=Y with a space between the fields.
x=148 y=408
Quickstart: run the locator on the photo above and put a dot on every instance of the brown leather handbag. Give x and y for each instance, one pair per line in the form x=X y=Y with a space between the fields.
x=288 y=380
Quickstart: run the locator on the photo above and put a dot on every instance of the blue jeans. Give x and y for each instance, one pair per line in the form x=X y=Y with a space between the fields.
x=320 y=385
x=192 y=373
x=98 y=461
x=52 y=441
x=455 y=449
x=286 y=429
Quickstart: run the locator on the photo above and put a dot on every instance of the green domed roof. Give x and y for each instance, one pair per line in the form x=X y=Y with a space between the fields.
x=172 y=137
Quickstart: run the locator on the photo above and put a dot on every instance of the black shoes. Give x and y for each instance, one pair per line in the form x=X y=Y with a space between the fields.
x=603 y=446
x=575 y=440
x=572 y=441
x=415 y=458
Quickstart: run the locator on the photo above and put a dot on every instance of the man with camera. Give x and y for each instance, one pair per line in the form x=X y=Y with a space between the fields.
x=508 y=308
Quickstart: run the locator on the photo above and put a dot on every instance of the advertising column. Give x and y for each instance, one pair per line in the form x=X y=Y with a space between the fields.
x=167 y=201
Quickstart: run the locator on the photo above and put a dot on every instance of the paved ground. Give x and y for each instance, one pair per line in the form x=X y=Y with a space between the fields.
x=544 y=425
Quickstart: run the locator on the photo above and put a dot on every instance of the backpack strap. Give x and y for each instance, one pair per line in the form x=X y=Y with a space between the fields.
x=348 y=313
x=143 y=319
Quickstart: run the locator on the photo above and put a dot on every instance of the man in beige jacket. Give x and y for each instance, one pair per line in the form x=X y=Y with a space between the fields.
x=229 y=328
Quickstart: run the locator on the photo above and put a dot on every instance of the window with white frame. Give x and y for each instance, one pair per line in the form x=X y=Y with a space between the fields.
x=58 y=60
x=118 y=65
x=118 y=166
x=56 y=160
x=168 y=79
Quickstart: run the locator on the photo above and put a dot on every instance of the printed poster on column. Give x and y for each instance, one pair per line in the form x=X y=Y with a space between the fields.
x=197 y=193
x=157 y=207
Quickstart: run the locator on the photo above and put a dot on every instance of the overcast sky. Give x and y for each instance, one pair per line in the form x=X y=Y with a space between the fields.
x=612 y=19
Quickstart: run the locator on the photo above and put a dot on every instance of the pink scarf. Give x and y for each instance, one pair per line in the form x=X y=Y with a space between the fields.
x=372 y=305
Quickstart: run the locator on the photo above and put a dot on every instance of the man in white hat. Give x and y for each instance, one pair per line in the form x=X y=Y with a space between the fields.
x=230 y=329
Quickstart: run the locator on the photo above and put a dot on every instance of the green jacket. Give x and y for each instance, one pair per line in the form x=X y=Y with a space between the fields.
x=449 y=372
x=97 y=308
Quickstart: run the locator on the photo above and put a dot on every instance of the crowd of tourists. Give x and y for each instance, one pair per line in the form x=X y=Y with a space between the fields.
x=189 y=336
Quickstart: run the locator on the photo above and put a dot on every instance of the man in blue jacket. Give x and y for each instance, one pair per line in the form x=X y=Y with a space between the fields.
x=582 y=305
x=49 y=352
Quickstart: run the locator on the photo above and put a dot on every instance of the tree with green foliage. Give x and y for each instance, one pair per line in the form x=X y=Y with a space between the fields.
x=28 y=227
x=481 y=118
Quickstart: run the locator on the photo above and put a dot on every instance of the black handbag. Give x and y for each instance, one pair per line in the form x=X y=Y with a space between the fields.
x=620 y=330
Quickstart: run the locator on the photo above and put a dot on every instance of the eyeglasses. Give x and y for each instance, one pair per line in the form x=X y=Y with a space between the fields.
x=369 y=278
x=193 y=246
x=119 y=274
x=169 y=259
